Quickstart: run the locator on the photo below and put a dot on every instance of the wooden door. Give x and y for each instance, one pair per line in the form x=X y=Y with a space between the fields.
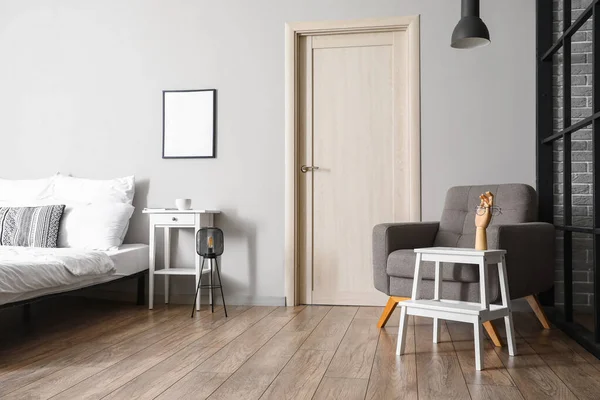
x=353 y=128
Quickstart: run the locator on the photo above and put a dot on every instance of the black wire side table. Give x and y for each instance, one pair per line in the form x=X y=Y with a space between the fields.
x=209 y=245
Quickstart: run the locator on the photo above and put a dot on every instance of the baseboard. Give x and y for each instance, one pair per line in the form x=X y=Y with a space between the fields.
x=187 y=298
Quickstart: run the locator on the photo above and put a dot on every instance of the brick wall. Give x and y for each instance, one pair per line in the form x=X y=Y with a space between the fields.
x=581 y=157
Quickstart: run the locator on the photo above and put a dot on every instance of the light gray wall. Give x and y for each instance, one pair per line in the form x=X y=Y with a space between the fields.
x=81 y=86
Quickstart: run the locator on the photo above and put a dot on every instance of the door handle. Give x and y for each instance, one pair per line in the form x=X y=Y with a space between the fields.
x=305 y=168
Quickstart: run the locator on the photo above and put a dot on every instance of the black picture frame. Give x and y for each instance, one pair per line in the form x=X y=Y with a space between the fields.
x=214 y=124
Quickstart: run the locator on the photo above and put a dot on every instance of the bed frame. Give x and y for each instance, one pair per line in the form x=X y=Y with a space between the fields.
x=140 y=300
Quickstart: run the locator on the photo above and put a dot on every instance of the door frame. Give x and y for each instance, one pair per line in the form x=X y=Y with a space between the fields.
x=293 y=32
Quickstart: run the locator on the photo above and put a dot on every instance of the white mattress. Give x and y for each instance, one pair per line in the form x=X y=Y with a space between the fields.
x=129 y=259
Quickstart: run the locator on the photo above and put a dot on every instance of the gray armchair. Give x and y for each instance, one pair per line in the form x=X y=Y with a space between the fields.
x=529 y=246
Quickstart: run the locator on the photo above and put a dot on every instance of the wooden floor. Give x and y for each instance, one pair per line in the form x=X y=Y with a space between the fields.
x=81 y=349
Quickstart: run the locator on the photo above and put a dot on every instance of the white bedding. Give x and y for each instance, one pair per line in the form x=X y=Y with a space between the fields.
x=26 y=269
x=129 y=259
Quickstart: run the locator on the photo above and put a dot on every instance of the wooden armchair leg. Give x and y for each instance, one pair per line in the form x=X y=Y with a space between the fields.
x=389 y=309
x=538 y=310
x=492 y=333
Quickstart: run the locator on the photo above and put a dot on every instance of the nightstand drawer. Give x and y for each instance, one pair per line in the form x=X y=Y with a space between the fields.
x=173 y=219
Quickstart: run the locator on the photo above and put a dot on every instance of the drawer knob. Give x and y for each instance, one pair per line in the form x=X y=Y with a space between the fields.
x=174 y=219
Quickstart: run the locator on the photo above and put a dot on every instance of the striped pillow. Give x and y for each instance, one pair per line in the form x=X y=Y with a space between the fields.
x=30 y=226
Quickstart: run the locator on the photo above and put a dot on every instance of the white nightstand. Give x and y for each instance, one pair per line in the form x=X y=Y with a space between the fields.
x=175 y=219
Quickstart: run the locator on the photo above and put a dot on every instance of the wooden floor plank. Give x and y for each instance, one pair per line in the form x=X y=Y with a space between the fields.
x=490 y=392
x=37 y=349
x=237 y=352
x=373 y=313
x=21 y=375
x=527 y=323
x=341 y=389
x=424 y=337
x=439 y=374
x=231 y=357
x=284 y=311
x=199 y=384
x=254 y=377
x=159 y=378
x=278 y=353
x=354 y=356
x=532 y=375
x=329 y=333
x=63 y=377
x=48 y=323
x=110 y=379
x=581 y=377
x=229 y=331
x=394 y=377
x=394 y=321
x=202 y=386
x=576 y=347
x=301 y=376
x=308 y=319
x=494 y=372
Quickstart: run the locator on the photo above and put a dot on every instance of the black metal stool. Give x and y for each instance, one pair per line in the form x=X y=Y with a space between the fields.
x=209 y=245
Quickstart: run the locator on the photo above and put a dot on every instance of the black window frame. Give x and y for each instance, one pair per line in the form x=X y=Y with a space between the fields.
x=546 y=47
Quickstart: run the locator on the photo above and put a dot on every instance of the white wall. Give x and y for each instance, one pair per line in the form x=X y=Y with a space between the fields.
x=80 y=93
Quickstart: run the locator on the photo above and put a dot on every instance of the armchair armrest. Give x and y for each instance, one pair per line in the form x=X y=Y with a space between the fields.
x=396 y=236
x=529 y=256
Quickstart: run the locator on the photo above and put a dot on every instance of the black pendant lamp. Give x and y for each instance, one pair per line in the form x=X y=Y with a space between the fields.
x=470 y=32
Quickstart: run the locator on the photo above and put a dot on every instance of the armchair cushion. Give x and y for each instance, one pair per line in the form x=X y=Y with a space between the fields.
x=517 y=202
x=401 y=264
x=395 y=236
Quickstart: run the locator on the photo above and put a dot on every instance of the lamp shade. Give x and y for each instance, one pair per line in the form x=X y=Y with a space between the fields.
x=471 y=31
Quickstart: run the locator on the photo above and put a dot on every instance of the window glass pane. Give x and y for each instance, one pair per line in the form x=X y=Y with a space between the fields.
x=581 y=141
x=559 y=275
x=557 y=91
x=583 y=278
x=558 y=186
x=577 y=7
x=557 y=18
x=581 y=73
x=582 y=179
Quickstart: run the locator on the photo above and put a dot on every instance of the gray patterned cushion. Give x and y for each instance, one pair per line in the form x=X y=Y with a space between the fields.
x=30 y=226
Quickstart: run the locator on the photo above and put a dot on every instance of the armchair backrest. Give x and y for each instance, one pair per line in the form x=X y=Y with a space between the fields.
x=517 y=203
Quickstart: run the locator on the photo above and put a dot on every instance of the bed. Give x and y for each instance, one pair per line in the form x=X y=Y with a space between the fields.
x=61 y=234
x=130 y=261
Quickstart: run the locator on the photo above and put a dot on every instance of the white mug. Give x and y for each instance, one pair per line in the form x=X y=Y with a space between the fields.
x=183 y=204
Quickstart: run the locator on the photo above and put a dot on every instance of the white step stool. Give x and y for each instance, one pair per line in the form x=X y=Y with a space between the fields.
x=451 y=310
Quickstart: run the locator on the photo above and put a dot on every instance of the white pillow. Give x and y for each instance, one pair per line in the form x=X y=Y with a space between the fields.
x=70 y=190
x=99 y=226
x=17 y=192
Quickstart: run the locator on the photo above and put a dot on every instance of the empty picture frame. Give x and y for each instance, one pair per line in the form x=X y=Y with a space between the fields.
x=189 y=123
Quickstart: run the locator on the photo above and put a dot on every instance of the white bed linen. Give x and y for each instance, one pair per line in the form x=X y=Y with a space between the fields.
x=97 y=226
x=128 y=260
